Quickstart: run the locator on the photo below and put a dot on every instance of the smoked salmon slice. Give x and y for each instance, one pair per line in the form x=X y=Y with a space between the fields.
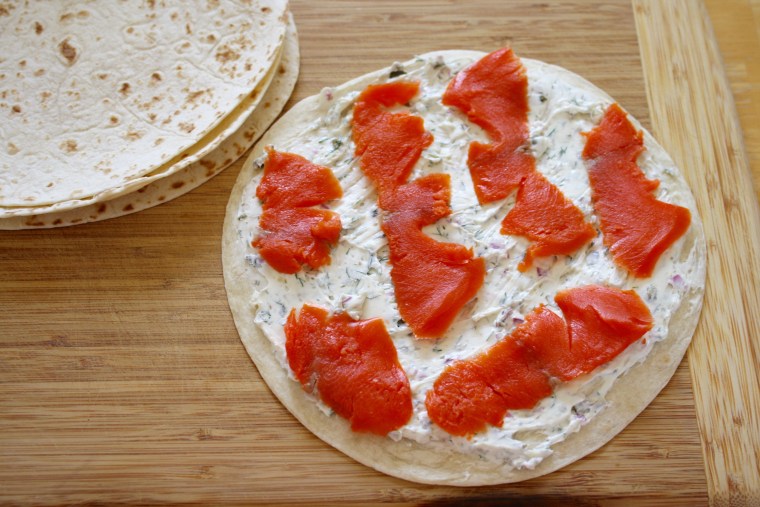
x=493 y=93
x=353 y=367
x=553 y=224
x=637 y=228
x=601 y=323
x=432 y=280
x=515 y=373
x=294 y=233
x=470 y=394
x=389 y=144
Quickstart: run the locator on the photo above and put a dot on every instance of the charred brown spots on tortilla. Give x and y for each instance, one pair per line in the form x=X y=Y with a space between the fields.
x=133 y=135
x=69 y=146
x=152 y=104
x=72 y=15
x=193 y=96
x=68 y=51
x=226 y=54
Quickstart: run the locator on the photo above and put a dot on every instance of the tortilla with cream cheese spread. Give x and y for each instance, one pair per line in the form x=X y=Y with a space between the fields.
x=581 y=415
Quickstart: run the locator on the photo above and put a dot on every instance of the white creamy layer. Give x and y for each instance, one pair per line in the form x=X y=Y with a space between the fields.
x=358 y=279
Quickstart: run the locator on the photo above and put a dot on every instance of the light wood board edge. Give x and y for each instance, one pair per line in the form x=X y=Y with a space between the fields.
x=694 y=116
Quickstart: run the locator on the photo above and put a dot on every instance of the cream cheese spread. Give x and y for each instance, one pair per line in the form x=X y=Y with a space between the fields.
x=358 y=279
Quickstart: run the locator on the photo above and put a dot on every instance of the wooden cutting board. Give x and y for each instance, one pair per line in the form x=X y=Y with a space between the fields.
x=122 y=378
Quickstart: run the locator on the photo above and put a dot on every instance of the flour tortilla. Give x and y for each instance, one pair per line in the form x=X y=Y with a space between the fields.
x=231 y=124
x=408 y=459
x=178 y=183
x=105 y=94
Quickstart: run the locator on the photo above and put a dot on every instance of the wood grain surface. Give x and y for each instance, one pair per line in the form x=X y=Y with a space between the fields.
x=737 y=29
x=122 y=378
x=695 y=118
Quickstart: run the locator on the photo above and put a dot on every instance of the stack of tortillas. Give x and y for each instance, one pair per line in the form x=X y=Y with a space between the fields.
x=107 y=109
